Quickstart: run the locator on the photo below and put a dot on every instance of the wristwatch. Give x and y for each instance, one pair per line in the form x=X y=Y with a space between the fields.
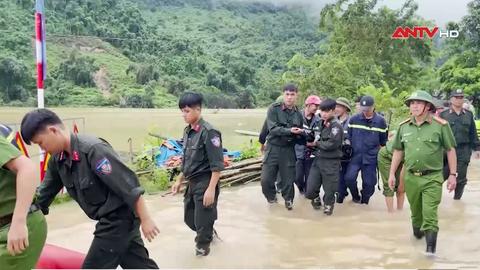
x=454 y=174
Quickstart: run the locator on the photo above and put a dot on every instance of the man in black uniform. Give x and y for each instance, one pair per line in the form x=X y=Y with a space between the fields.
x=325 y=170
x=201 y=167
x=463 y=127
x=105 y=188
x=284 y=122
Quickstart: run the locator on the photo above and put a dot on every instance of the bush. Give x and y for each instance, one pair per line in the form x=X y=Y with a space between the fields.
x=250 y=150
x=156 y=181
x=78 y=69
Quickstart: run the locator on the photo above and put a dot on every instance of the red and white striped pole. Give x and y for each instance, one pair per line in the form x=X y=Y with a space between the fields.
x=41 y=55
x=40 y=47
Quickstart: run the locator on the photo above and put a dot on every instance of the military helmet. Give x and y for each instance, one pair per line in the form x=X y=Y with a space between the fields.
x=422 y=96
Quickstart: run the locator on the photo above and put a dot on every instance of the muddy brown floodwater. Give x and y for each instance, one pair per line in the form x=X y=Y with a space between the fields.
x=257 y=235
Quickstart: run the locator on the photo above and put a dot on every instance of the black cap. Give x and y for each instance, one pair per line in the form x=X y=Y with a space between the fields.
x=328 y=105
x=457 y=93
x=290 y=87
x=367 y=101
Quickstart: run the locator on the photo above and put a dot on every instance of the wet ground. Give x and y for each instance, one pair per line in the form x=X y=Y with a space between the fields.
x=257 y=235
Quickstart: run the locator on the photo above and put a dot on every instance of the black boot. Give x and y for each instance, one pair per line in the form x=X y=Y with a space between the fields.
x=202 y=250
x=289 y=205
x=328 y=210
x=431 y=239
x=458 y=192
x=364 y=200
x=417 y=232
x=340 y=199
x=317 y=203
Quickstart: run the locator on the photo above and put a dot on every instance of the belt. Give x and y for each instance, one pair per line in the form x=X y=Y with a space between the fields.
x=7 y=219
x=422 y=173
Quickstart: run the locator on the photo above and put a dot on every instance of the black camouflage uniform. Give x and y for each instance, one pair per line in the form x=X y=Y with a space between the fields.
x=464 y=131
x=203 y=154
x=107 y=191
x=280 y=151
x=325 y=170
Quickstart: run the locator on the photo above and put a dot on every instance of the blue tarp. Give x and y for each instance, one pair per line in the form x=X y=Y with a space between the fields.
x=164 y=153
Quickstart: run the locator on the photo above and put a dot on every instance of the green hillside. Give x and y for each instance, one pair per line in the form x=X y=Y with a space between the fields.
x=145 y=53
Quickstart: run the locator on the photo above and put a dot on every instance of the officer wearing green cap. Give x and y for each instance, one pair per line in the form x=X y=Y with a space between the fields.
x=463 y=126
x=342 y=112
x=23 y=228
x=422 y=140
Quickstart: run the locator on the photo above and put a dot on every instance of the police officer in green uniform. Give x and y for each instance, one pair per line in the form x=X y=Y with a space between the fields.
x=325 y=170
x=463 y=127
x=105 y=188
x=384 y=161
x=421 y=141
x=284 y=122
x=201 y=167
x=23 y=229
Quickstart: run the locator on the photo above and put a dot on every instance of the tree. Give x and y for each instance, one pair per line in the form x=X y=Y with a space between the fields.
x=143 y=73
x=470 y=25
x=78 y=69
x=13 y=78
x=462 y=69
x=360 y=51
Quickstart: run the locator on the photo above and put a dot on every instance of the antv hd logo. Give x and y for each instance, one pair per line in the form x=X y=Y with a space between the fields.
x=421 y=32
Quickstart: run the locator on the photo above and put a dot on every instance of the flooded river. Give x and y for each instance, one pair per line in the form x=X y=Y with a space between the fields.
x=118 y=125
x=257 y=235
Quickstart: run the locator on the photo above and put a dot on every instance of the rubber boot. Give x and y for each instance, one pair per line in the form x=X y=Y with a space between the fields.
x=417 y=232
x=431 y=240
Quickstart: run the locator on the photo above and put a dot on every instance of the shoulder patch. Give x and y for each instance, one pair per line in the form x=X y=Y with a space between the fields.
x=440 y=120
x=276 y=104
x=335 y=131
x=405 y=121
x=103 y=166
x=216 y=141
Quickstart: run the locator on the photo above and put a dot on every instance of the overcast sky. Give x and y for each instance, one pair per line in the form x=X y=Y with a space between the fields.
x=441 y=11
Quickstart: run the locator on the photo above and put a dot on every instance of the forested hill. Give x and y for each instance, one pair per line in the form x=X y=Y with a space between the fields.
x=238 y=53
x=144 y=53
